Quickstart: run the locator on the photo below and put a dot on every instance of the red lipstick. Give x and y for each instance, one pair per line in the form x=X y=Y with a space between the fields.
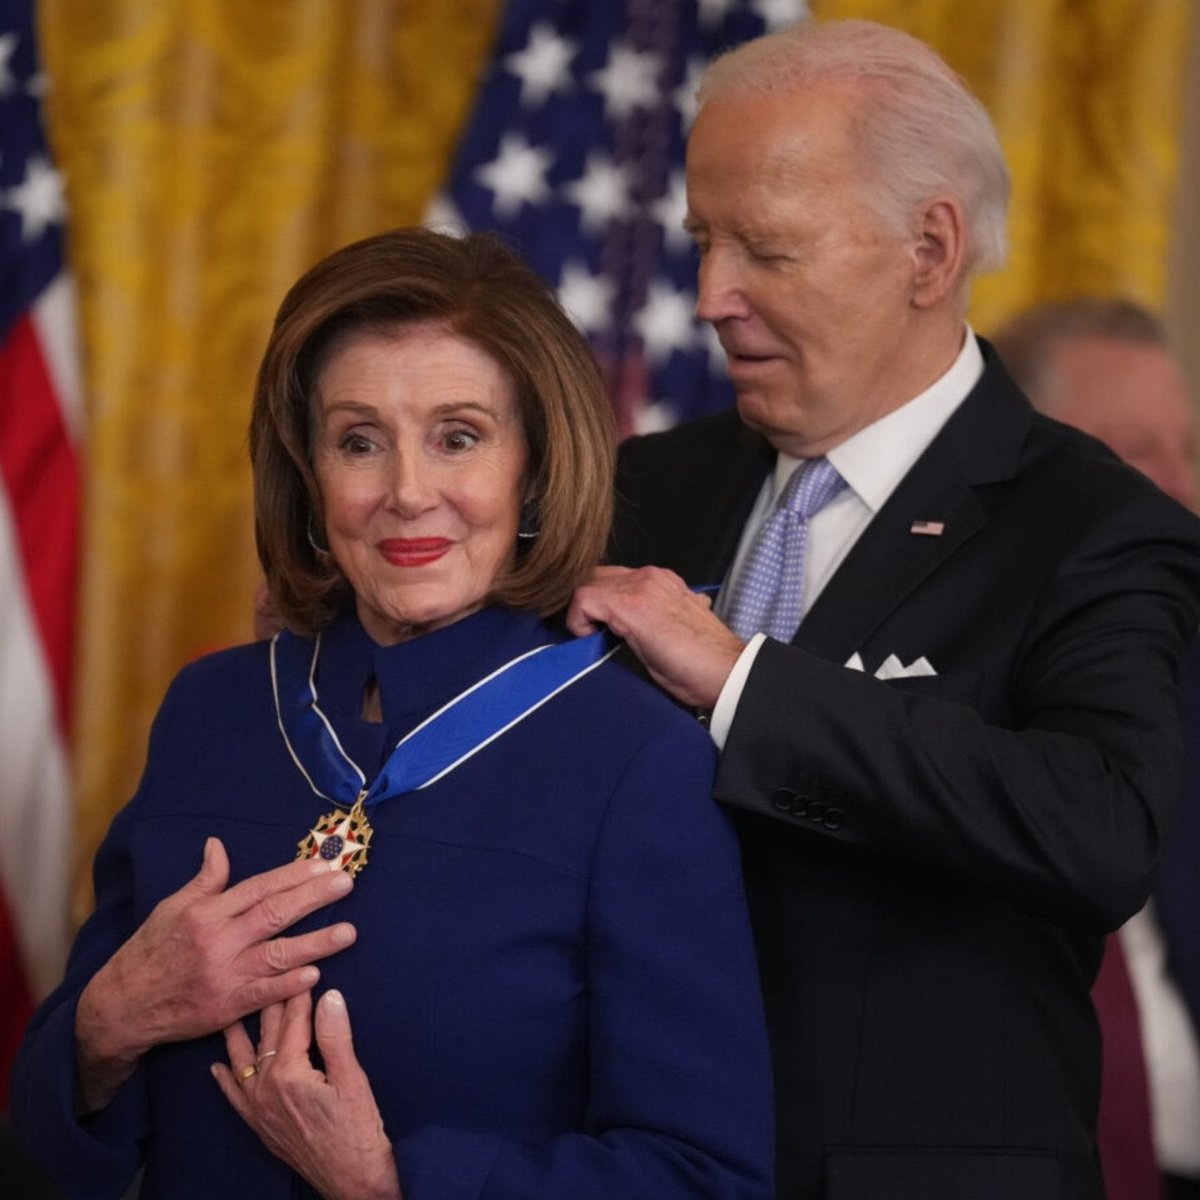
x=413 y=552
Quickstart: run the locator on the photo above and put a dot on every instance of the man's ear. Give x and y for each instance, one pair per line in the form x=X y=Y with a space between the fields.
x=940 y=252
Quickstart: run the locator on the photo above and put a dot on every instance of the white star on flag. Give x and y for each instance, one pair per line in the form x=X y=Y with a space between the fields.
x=517 y=175
x=713 y=12
x=443 y=216
x=587 y=298
x=601 y=192
x=628 y=81
x=654 y=418
x=543 y=66
x=685 y=94
x=8 y=44
x=777 y=14
x=665 y=320
x=669 y=211
x=38 y=198
x=716 y=352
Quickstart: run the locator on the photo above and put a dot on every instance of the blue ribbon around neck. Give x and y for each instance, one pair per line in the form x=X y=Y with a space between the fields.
x=458 y=730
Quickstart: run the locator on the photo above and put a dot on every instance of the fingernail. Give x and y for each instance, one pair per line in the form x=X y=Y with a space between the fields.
x=340 y=883
x=334 y=999
x=343 y=934
x=309 y=975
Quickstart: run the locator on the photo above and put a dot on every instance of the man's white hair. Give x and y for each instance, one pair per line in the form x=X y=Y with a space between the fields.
x=920 y=131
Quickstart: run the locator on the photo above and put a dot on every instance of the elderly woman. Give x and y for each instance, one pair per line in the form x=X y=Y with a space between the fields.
x=510 y=878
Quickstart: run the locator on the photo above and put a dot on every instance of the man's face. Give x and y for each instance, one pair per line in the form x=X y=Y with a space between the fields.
x=809 y=293
x=1134 y=399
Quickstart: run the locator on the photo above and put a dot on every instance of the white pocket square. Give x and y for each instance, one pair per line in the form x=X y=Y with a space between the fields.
x=892 y=667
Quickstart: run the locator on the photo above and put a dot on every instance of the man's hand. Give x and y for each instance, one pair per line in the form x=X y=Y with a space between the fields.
x=205 y=957
x=687 y=650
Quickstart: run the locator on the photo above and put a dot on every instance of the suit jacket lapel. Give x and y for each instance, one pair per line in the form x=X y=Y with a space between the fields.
x=979 y=446
x=705 y=547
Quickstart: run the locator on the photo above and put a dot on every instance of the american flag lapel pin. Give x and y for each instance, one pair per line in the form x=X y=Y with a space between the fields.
x=928 y=528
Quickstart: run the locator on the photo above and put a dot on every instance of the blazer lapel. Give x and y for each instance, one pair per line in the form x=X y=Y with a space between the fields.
x=889 y=561
x=980 y=445
x=705 y=546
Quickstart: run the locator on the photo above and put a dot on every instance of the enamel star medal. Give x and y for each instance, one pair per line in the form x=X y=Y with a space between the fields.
x=340 y=839
x=452 y=735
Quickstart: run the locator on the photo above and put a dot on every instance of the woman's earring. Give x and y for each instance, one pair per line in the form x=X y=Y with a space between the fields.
x=530 y=525
x=312 y=539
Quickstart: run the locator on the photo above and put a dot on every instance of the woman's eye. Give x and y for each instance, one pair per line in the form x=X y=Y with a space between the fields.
x=356 y=443
x=459 y=439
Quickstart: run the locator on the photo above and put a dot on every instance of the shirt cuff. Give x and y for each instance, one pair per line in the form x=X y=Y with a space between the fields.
x=731 y=693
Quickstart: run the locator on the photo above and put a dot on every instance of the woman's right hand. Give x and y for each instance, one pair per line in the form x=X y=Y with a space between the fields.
x=204 y=958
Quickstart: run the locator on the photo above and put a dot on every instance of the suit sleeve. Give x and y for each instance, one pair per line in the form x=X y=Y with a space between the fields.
x=1177 y=890
x=679 y=1099
x=1061 y=800
x=94 y=1157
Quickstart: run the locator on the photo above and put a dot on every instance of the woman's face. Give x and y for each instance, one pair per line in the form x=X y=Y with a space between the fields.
x=421 y=460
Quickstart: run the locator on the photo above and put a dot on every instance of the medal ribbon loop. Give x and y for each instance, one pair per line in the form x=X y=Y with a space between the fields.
x=443 y=741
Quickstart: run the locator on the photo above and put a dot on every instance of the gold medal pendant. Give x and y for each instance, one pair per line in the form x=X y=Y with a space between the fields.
x=340 y=838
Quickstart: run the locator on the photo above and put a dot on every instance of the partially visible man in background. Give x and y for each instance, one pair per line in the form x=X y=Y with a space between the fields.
x=1105 y=367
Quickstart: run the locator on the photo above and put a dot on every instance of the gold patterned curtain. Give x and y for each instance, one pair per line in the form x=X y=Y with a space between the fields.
x=214 y=148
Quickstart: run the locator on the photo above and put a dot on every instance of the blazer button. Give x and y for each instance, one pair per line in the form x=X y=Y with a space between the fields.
x=783 y=799
x=816 y=810
x=799 y=807
x=833 y=818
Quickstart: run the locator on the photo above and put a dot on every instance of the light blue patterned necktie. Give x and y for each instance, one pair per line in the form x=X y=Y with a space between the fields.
x=768 y=594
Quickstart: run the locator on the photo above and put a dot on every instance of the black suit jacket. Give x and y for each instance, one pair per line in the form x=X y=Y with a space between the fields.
x=931 y=861
x=1177 y=891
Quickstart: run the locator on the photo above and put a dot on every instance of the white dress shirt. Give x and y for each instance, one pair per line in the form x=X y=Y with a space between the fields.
x=1169 y=1046
x=872 y=462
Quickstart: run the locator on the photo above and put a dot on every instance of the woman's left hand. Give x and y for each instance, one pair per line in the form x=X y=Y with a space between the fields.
x=325 y=1126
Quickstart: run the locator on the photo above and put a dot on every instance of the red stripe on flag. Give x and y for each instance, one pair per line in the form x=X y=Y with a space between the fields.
x=41 y=475
x=16 y=1000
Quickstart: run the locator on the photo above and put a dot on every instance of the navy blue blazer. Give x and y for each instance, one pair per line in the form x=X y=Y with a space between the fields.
x=931 y=861
x=553 y=990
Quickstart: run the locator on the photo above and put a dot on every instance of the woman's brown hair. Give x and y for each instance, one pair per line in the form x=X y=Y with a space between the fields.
x=481 y=291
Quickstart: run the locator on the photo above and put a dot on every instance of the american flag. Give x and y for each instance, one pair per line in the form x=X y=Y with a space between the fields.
x=39 y=509
x=575 y=152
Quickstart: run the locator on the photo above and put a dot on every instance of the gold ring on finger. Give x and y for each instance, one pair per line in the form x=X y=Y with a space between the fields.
x=245 y=1073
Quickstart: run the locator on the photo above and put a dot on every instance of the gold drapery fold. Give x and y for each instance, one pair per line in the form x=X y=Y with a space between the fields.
x=214 y=148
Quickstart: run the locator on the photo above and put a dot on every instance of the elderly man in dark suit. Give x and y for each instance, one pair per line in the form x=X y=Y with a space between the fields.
x=953 y=777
